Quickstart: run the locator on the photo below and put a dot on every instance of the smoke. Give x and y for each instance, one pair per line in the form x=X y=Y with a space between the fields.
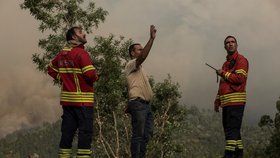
x=27 y=99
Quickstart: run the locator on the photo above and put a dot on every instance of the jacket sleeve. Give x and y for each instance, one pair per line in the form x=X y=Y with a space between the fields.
x=53 y=69
x=88 y=70
x=239 y=76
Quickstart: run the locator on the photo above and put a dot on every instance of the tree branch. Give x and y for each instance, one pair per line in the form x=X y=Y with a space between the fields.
x=117 y=135
x=101 y=138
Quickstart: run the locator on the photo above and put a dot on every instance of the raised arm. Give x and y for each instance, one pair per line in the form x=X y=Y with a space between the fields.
x=145 y=52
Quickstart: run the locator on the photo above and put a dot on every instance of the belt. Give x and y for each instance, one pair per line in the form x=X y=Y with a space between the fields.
x=140 y=100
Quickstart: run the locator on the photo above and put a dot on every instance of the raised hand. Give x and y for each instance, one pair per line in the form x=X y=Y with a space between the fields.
x=153 y=32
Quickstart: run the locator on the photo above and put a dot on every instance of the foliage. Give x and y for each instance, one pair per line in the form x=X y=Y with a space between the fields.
x=112 y=130
x=273 y=147
x=169 y=115
x=266 y=121
x=42 y=140
x=200 y=135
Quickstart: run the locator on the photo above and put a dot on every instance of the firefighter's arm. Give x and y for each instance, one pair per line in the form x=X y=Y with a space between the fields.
x=88 y=70
x=239 y=76
x=53 y=70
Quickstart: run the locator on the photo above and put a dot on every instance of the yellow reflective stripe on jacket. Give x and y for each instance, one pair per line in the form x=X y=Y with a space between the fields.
x=70 y=70
x=227 y=75
x=233 y=94
x=76 y=79
x=77 y=96
x=241 y=71
x=233 y=98
x=67 y=49
x=77 y=100
x=87 y=68
x=77 y=93
x=53 y=67
x=58 y=76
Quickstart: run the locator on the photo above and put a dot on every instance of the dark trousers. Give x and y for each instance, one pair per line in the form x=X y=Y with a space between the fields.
x=232 y=120
x=74 y=118
x=142 y=121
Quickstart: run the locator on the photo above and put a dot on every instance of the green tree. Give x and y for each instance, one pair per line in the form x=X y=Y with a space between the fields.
x=169 y=116
x=112 y=130
x=273 y=148
x=42 y=140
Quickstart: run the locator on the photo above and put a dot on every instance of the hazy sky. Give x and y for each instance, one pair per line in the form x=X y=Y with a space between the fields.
x=190 y=33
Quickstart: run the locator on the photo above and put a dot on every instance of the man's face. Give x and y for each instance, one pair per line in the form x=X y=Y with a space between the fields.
x=231 y=45
x=80 y=36
x=137 y=51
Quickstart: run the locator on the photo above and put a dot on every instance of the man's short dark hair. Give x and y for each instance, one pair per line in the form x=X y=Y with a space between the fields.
x=229 y=37
x=131 y=48
x=71 y=32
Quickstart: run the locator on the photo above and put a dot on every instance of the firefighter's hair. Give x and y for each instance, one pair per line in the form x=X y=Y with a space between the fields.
x=131 y=48
x=71 y=32
x=230 y=37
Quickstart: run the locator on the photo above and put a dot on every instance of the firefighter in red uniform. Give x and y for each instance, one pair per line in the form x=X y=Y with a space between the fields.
x=232 y=97
x=73 y=67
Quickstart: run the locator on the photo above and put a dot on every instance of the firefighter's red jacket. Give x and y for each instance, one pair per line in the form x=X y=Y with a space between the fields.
x=73 y=67
x=232 y=88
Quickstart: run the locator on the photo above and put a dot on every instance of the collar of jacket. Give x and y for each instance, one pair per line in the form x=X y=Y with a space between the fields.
x=73 y=43
x=233 y=56
x=81 y=46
